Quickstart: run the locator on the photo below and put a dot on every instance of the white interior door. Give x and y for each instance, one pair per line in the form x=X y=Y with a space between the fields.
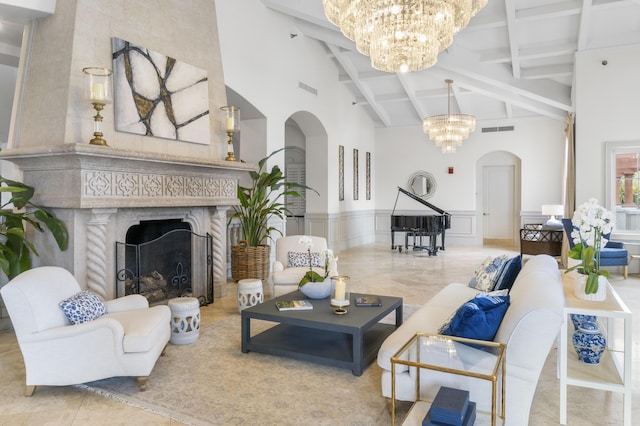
x=498 y=202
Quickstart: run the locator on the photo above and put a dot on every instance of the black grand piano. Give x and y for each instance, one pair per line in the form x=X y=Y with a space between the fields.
x=419 y=226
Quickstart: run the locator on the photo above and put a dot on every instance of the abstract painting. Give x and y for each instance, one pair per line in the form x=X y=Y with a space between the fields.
x=368 y=169
x=355 y=174
x=156 y=95
x=340 y=172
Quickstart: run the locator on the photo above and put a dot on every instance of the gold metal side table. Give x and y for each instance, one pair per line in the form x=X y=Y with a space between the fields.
x=416 y=353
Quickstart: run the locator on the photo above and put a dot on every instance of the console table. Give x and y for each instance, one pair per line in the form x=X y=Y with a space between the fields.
x=614 y=371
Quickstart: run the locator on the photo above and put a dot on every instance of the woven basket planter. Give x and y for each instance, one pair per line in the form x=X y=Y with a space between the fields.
x=249 y=262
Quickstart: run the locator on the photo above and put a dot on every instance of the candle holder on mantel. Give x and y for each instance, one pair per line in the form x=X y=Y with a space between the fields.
x=230 y=125
x=98 y=92
x=340 y=294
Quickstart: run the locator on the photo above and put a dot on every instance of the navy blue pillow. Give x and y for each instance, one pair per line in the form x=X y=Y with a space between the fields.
x=479 y=318
x=509 y=272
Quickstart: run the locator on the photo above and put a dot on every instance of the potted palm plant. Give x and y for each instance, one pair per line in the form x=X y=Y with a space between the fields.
x=258 y=203
x=15 y=247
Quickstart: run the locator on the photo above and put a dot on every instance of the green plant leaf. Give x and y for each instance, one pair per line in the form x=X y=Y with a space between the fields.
x=56 y=226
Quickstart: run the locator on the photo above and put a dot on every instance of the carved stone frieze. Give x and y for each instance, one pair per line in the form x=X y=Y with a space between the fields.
x=127 y=184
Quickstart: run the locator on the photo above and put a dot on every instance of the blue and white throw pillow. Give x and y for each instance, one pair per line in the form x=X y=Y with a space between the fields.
x=486 y=277
x=82 y=307
x=298 y=259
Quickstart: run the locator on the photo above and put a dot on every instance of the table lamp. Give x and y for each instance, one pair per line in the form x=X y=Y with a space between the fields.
x=553 y=210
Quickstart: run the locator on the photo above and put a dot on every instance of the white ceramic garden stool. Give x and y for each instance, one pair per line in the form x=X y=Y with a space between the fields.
x=249 y=293
x=185 y=320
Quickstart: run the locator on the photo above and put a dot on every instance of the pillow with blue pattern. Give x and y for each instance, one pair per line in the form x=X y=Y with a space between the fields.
x=298 y=259
x=486 y=277
x=479 y=318
x=83 y=307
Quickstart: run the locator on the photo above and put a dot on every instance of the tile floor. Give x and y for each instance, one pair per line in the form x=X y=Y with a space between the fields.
x=374 y=269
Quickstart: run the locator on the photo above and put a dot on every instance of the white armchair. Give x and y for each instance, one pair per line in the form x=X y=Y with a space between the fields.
x=126 y=341
x=285 y=278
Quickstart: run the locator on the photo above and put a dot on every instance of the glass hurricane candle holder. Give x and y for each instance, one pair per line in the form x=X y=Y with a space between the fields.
x=340 y=294
x=230 y=125
x=98 y=92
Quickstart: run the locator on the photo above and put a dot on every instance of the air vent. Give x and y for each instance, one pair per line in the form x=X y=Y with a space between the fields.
x=498 y=129
x=307 y=88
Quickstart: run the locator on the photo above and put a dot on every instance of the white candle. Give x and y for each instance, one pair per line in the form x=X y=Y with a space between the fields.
x=230 y=124
x=98 y=92
x=340 y=289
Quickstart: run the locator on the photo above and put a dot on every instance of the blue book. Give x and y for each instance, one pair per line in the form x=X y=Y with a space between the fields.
x=450 y=406
x=469 y=417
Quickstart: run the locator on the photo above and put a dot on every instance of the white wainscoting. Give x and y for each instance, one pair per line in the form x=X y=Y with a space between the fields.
x=343 y=230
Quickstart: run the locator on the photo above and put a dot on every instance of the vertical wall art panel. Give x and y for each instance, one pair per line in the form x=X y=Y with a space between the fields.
x=355 y=174
x=368 y=171
x=341 y=173
x=156 y=95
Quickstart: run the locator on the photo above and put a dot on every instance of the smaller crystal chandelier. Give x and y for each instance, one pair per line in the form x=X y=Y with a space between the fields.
x=449 y=130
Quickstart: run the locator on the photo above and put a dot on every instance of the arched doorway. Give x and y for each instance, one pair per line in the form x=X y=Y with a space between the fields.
x=306 y=162
x=499 y=198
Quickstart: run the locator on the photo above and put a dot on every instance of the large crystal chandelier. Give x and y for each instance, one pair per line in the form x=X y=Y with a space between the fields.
x=449 y=130
x=401 y=35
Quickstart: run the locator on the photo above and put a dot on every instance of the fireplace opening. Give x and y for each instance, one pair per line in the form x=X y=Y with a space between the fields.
x=164 y=259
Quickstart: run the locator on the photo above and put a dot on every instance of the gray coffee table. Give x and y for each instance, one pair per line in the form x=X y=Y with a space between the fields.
x=320 y=336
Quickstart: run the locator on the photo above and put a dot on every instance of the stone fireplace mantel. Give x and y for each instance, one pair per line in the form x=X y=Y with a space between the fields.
x=88 y=176
x=99 y=192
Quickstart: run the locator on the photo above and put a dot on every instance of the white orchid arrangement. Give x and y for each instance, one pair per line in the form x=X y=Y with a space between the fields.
x=592 y=221
x=327 y=258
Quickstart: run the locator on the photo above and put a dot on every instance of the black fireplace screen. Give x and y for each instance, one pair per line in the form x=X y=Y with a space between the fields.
x=176 y=263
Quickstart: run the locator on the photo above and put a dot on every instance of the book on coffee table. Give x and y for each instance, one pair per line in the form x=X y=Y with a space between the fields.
x=294 y=305
x=368 y=301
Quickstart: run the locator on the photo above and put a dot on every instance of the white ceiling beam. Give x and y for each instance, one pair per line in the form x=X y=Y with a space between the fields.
x=583 y=30
x=513 y=39
x=549 y=71
x=543 y=91
x=312 y=11
x=9 y=50
x=366 y=92
x=327 y=35
x=547 y=50
x=410 y=92
x=550 y=11
x=25 y=11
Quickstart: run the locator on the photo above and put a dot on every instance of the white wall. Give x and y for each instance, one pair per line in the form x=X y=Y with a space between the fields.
x=538 y=142
x=264 y=65
x=607 y=109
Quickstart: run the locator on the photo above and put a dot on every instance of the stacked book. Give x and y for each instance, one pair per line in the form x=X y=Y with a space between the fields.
x=451 y=407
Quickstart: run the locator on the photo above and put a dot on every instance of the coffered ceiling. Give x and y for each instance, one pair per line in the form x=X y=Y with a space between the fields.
x=515 y=59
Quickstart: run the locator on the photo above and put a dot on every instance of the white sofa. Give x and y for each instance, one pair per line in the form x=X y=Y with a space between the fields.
x=126 y=341
x=529 y=329
x=285 y=279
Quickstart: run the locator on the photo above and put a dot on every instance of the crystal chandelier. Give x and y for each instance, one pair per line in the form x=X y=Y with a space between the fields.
x=401 y=35
x=449 y=130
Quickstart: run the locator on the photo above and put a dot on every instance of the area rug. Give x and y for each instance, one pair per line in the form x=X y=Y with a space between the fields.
x=211 y=382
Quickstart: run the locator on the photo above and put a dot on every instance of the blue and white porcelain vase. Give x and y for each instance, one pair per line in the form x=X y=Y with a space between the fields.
x=589 y=342
x=317 y=289
x=578 y=319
